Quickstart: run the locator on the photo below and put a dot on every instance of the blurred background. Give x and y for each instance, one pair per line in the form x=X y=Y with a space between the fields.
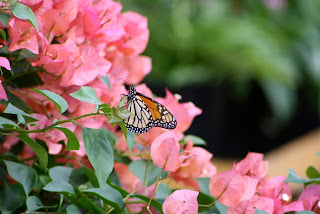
x=252 y=66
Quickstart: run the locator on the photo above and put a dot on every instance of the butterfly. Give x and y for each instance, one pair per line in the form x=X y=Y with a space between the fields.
x=146 y=113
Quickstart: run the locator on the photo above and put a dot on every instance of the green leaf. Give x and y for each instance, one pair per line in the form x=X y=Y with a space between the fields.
x=17 y=101
x=99 y=152
x=163 y=192
x=34 y=203
x=318 y=153
x=23 y=117
x=106 y=80
x=26 y=54
x=204 y=185
x=195 y=139
x=122 y=101
x=124 y=193
x=260 y=212
x=11 y=198
x=109 y=195
x=88 y=204
x=61 y=187
x=61 y=103
x=38 y=150
x=312 y=172
x=129 y=136
x=4 y=18
x=306 y=212
x=294 y=178
x=86 y=94
x=23 y=174
x=91 y=176
x=73 y=209
x=205 y=200
x=23 y=12
x=138 y=168
x=3 y=35
x=221 y=207
x=73 y=142
x=4 y=122
x=60 y=173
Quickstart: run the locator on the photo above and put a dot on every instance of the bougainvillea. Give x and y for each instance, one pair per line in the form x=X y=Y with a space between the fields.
x=64 y=146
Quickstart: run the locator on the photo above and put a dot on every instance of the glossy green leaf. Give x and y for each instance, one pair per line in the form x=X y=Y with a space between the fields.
x=23 y=174
x=138 y=168
x=11 y=198
x=4 y=18
x=221 y=207
x=205 y=200
x=23 y=12
x=41 y=153
x=86 y=94
x=99 y=152
x=109 y=195
x=60 y=186
x=73 y=209
x=61 y=103
x=73 y=142
x=26 y=54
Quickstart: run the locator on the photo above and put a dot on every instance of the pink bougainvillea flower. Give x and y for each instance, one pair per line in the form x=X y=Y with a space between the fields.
x=308 y=200
x=253 y=166
x=4 y=62
x=249 y=206
x=183 y=112
x=165 y=151
x=3 y=94
x=180 y=202
x=23 y=36
x=88 y=66
x=197 y=164
x=137 y=33
x=230 y=187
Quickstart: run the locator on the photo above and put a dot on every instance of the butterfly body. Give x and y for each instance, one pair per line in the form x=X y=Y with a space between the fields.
x=146 y=113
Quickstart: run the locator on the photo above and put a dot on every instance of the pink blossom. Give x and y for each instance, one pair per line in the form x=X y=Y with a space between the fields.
x=308 y=200
x=23 y=35
x=3 y=94
x=165 y=151
x=249 y=206
x=181 y=201
x=253 y=166
x=4 y=62
x=230 y=187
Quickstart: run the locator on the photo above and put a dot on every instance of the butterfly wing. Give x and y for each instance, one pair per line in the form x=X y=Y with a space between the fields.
x=160 y=115
x=140 y=120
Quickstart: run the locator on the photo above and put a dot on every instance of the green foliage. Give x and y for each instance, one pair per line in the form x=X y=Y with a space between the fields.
x=23 y=12
x=61 y=103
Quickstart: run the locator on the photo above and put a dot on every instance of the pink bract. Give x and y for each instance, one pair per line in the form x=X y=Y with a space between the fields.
x=181 y=201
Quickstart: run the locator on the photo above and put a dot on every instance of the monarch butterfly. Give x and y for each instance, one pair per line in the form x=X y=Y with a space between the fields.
x=146 y=113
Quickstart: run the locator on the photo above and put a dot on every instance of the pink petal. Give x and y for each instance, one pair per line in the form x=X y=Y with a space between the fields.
x=165 y=152
x=249 y=189
x=181 y=201
x=3 y=94
x=4 y=62
x=227 y=186
x=253 y=166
